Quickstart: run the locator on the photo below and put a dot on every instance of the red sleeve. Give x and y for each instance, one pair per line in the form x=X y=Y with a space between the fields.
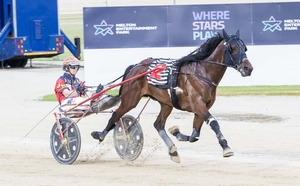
x=60 y=85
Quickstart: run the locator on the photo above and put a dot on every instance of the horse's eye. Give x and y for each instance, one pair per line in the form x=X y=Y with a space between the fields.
x=233 y=49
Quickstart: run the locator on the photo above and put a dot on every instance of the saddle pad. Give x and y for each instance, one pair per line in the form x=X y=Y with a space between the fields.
x=161 y=79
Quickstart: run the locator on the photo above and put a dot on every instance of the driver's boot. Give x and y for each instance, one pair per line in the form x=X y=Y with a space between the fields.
x=105 y=103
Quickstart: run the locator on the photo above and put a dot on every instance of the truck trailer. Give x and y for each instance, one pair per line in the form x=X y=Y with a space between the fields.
x=30 y=29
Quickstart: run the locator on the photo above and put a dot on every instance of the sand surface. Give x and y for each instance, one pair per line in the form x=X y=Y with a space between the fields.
x=263 y=132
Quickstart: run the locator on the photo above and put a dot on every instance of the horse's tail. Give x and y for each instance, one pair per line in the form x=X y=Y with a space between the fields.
x=124 y=76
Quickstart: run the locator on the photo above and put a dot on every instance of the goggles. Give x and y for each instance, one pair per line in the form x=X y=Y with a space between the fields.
x=74 y=66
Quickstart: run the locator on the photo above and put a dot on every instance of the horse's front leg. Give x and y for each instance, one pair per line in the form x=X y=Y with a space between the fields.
x=159 y=125
x=227 y=152
x=197 y=124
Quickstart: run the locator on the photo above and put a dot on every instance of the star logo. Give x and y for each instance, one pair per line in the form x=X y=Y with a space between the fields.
x=104 y=29
x=272 y=24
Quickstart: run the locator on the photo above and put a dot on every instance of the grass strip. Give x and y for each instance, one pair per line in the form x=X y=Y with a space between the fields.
x=288 y=90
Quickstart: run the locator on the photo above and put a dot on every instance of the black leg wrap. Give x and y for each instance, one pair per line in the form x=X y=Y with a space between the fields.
x=102 y=135
x=165 y=137
x=99 y=135
x=223 y=143
x=111 y=125
x=175 y=133
x=194 y=136
x=215 y=126
x=222 y=140
x=182 y=137
x=171 y=146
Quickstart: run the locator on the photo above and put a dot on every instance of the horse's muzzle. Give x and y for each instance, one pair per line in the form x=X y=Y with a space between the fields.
x=246 y=68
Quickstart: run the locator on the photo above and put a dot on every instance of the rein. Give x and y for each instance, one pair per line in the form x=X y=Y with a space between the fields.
x=201 y=77
x=216 y=63
x=109 y=83
x=113 y=81
x=204 y=78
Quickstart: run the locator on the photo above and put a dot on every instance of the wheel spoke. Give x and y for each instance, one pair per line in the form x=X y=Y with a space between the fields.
x=128 y=143
x=59 y=149
x=68 y=150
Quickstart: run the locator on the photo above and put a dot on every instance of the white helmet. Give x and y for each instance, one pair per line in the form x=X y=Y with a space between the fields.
x=71 y=60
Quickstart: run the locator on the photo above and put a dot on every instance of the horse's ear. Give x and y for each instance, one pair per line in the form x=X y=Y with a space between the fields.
x=237 y=34
x=225 y=35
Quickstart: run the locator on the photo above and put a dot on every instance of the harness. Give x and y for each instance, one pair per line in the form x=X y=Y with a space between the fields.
x=230 y=60
x=173 y=79
x=234 y=60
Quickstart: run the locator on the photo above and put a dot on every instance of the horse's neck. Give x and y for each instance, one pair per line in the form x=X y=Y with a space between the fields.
x=214 y=71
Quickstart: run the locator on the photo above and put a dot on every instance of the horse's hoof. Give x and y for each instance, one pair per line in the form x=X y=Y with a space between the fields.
x=174 y=154
x=97 y=135
x=227 y=152
x=176 y=159
x=173 y=130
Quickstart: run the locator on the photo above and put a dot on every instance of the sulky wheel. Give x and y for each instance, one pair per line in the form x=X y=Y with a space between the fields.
x=128 y=138
x=66 y=151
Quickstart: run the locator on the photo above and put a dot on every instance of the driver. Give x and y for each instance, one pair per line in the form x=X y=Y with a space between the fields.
x=69 y=89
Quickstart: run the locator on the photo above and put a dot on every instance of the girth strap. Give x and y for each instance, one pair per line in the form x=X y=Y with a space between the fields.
x=173 y=78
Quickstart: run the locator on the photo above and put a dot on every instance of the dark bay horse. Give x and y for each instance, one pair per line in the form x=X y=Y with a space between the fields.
x=197 y=78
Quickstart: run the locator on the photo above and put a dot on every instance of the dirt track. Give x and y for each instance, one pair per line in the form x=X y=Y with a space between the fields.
x=262 y=131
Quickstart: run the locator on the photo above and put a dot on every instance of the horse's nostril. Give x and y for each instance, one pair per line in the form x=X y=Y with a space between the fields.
x=247 y=70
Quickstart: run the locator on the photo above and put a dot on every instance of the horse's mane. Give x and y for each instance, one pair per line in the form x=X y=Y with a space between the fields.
x=202 y=52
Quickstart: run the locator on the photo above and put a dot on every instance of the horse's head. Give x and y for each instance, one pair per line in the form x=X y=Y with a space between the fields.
x=234 y=52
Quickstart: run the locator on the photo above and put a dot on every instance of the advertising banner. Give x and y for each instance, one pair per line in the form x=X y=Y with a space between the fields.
x=125 y=27
x=276 y=23
x=190 y=25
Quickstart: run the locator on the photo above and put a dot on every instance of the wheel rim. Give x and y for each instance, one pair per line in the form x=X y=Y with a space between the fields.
x=66 y=151
x=129 y=142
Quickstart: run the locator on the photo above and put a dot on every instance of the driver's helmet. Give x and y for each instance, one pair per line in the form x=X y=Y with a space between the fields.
x=71 y=60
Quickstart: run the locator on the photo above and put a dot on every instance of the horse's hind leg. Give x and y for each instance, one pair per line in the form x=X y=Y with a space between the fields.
x=125 y=106
x=159 y=125
x=197 y=124
x=227 y=152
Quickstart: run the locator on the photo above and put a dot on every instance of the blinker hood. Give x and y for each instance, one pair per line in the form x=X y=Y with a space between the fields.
x=233 y=60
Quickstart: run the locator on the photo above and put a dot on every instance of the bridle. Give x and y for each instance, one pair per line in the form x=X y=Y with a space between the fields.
x=234 y=60
x=230 y=60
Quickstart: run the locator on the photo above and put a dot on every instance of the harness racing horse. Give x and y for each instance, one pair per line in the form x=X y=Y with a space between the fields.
x=197 y=78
